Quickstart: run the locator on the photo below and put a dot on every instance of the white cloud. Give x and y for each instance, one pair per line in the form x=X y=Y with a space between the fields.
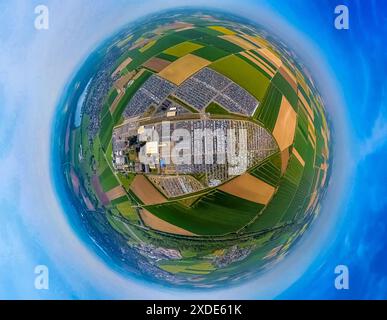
x=378 y=136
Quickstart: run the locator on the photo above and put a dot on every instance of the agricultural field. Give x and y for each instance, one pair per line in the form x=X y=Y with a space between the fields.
x=145 y=191
x=180 y=70
x=243 y=74
x=210 y=53
x=248 y=187
x=209 y=215
x=215 y=108
x=182 y=49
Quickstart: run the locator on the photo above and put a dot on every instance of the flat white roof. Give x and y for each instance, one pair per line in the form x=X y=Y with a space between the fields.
x=152 y=147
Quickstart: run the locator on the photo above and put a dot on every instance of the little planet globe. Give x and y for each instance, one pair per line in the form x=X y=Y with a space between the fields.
x=194 y=148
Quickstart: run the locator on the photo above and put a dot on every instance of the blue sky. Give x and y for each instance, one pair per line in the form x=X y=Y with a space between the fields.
x=349 y=68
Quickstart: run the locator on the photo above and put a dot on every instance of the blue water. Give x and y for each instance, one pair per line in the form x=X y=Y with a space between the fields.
x=78 y=111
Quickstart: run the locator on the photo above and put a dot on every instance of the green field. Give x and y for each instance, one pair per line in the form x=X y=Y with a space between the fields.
x=286 y=89
x=301 y=196
x=122 y=227
x=192 y=34
x=301 y=141
x=106 y=130
x=105 y=109
x=189 y=266
x=162 y=44
x=210 y=53
x=274 y=211
x=109 y=153
x=138 y=57
x=309 y=176
x=125 y=208
x=254 y=65
x=278 y=206
x=243 y=74
x=126 y=180
x=127 y=211
x=182 y=49
x=119 y=200
x=215 y=214
x=268 y=110
x=301 y=89
x=167 y=57
x=209 y=31
x=108 y=180
x=112 y=95
x=215 y=108
x=220 y=43
x=108 y=102
x=294 y=170
x=269 y=171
